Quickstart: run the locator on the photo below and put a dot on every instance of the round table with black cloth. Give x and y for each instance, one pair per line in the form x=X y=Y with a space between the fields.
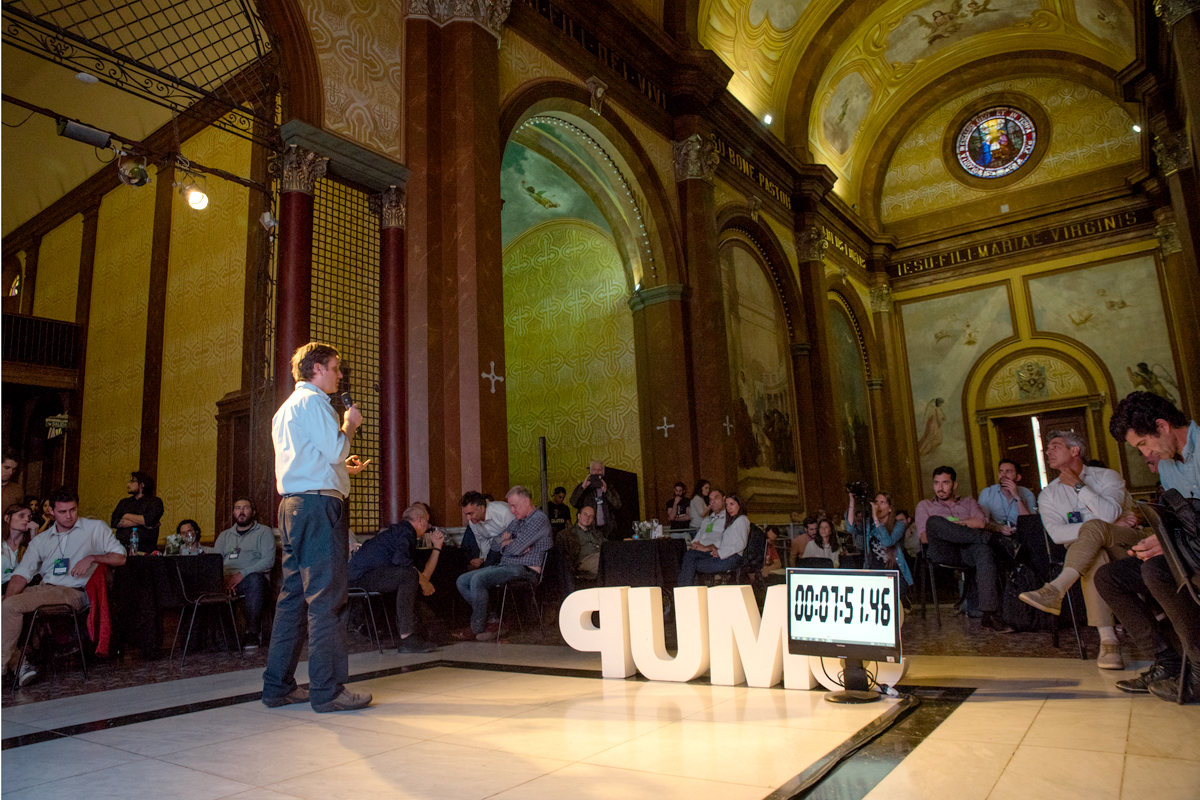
x=146 y=586
x=641 y=562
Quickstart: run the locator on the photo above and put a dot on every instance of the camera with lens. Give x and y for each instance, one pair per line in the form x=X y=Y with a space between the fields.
x=858 y=489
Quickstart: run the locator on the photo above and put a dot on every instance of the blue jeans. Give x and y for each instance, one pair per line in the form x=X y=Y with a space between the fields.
x=313 y=596
x=254 y=587
x=702 y=561
x=474 y=586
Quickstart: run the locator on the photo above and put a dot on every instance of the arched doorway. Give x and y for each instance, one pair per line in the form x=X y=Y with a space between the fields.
x=848 y=353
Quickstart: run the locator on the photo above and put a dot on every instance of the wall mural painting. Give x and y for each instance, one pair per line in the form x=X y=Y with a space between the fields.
x=942 y=23
x=850 y=386
x=782 y=13
x=1115 y=310
x=534 y=191
x=846 y=110
x=764 y=399
x=1107 y=19
x=945 y=336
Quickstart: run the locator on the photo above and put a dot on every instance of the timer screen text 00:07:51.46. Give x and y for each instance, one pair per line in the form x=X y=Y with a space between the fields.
x=873 y=605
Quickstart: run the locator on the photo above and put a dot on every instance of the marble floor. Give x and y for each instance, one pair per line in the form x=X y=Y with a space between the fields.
x=521 y=721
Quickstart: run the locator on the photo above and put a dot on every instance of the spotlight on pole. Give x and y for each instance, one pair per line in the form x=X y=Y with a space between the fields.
x=82 y=133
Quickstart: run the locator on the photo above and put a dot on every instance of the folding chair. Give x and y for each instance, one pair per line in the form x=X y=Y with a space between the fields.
x=44 y=614
x=210 y=592
x=531 y=585
x=1185 y=577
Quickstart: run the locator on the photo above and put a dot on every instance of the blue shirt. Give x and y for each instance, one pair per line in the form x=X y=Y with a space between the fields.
x=1184 y=475
x=1002 y=510
x=531 y=538
x=394 y=546
x=310 y=448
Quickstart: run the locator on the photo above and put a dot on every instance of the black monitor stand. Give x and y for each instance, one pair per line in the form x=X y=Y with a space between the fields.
x=857 y=687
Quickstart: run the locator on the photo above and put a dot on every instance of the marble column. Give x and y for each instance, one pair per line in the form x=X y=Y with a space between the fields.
x=890 y=448
x=807 y=435
x=393 y=402
x=1182 y=21
x=667 y=432
x=299 y=171
x=1182 y=284
x=712 y=392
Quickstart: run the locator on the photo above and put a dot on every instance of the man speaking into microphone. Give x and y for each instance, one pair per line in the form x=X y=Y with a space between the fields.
x=312 y=474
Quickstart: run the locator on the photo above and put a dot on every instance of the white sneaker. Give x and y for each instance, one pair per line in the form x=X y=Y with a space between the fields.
x=26 y=675
x=1110 y=657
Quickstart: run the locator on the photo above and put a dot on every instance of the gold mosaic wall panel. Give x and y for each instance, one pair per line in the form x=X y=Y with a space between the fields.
x=658 y=148
x=569 y=354
x=202 y=339
x=111 y=431
x=360 y=50
x=1090 y=132
x=58 y=271
x=521 y=61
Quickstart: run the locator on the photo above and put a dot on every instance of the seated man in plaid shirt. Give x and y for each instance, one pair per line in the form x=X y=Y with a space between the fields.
x=522 y=549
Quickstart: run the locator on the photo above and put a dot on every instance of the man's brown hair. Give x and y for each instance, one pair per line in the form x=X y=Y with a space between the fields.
x=308 y=356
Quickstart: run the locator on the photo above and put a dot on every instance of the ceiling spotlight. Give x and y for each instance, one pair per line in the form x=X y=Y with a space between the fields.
x=86 y=77
x=133 y=174
x=637 y=286
x=82 y=133
x=196 y=197
x=1137 y=128
x=767 y=118
x=267 y=221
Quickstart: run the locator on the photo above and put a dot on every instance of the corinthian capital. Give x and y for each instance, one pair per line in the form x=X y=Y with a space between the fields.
x=811 y=245
x=393 y=211
x=488 y=14
x=881 y=299
x=1173 y=152
x=694 y=158
x=299 y=170
x=1172 y=11
x=1168 y=239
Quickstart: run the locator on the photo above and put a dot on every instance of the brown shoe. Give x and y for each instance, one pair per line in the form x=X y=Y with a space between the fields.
x=346 y=701
x=297 y=695
x=463 y=635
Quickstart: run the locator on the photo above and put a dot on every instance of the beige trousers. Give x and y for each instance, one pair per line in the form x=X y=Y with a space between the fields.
x=15 y=609
x=1098 y=544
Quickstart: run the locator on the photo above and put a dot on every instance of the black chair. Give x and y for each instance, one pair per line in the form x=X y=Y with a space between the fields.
x=1186 y=578
x=1047 y=561
x=44 y=615
x=355 y=593
x=529 y=584
x=930 y=577
x=814 y=563
x=208 y=591
x=753 y=558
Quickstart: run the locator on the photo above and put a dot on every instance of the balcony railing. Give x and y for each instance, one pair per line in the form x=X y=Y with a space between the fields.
x=41 y=342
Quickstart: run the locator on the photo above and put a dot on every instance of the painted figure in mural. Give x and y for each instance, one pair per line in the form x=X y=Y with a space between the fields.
x=747 y=443
x=779 y=430
x=934 y=417
x=943 y=25
x=539 y=196
x=1152 y=379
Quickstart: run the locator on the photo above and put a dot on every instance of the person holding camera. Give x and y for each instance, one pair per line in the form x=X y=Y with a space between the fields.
x=594 y=491
x=882 y=536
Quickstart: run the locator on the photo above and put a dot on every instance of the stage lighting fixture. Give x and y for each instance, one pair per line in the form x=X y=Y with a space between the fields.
x=82 y=133
x=196 y=197
x=133 y=174
x=268 y=222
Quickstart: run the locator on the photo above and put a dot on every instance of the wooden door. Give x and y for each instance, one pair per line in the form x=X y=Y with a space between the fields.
x=1066 y=419
x=1016 y=442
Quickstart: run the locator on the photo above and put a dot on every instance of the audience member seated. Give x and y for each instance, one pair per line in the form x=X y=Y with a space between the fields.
x=387 y=563
x=11 y=492
x=952 y=526
x=559 y=512
x=801 y=542
x=248 y=550
x=678 y=509
x=19 y=528
x=486 y=520
x=883 y=540
x=1084 y=509
x=188 y=531
x=912 y=539
x=138 y=514
x=822 y=542
x=523 y=545
x=698 y=506
x=35 y=508
x=1003 y=502
x=65 y=556
x=594 y=491
x=581 y=543
x=1165 y=435
x=717 y=550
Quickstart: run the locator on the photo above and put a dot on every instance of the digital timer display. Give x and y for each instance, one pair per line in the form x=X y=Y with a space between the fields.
x=844 y=612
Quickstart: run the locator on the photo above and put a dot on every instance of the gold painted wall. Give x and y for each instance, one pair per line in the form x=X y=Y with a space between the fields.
x=110 y=444
x=58 y=271
x=521 y=61
x=202 y=338
x=1089 y=132
x=569 y=354
x=361 y=54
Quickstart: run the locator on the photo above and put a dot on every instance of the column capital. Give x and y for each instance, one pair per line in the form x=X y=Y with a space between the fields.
x=875 y=384
x=299 y=170
x=1173 y=152
x=811 y=245
x=1171 y=11
x=1168 y=239
x=881 y=299
x=597 y=89
x=488 y=14
x=393 y=209
x=668 y=292
x=801 y=348
x=694 y=159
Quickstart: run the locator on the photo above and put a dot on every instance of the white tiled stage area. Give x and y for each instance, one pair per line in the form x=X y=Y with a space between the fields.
x=1035 y=728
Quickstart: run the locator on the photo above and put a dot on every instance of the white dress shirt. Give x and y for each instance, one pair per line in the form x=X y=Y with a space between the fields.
x=496 y=520
x=89 y=537
x=310 y=448
x=1102 y=497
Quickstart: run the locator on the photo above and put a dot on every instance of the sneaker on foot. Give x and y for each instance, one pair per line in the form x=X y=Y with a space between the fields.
x=27 y=675
x=1110 y=657
x=297 y=695
x=346 y=701
x=1141 y=684
x=1047 y=599
x=487 y=636
x=414 y=644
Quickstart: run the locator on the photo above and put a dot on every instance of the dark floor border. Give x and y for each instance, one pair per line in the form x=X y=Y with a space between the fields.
x=851 y=779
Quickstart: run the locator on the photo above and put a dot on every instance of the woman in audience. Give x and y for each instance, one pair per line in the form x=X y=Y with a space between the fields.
x=698 y=509
x=19 y=528
x=678 y=508
x=47 y=518
x=824 y=544
x=883 y=539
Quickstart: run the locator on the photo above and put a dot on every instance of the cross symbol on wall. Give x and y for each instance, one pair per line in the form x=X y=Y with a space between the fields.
x=841 y=447
x=728 y=426
x=492 y=376
x=664 y=427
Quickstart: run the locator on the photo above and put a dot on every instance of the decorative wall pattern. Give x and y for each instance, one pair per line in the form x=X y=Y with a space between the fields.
x=202 y=334
x=658 y=148
x=58 y=271
x=359 y=45
x=110 y=435
x=944 y=337
x=1038 y=377
x=521 y=61
x=1090 y=132
x=569 y=354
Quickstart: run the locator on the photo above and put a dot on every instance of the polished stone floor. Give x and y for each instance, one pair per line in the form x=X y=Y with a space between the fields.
x=520 y=721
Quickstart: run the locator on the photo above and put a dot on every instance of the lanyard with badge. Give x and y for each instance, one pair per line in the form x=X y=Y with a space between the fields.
x=62 y=565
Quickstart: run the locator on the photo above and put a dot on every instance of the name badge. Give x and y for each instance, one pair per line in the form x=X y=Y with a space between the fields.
x=237 y=552
x=1074 y=517
x=60 y=566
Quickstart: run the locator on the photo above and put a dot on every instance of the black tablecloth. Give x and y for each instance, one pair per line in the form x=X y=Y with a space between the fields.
x=145 y=587
x=641 y=562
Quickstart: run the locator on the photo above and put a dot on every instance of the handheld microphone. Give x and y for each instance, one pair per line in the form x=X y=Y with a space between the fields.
x=347 y=400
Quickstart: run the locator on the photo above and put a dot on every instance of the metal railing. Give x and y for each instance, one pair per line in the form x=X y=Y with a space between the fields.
x=40 y=341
